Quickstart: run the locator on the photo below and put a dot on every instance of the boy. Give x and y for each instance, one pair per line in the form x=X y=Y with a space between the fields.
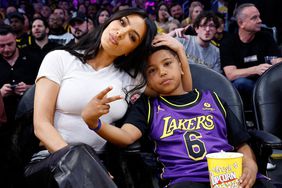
x=184 y=126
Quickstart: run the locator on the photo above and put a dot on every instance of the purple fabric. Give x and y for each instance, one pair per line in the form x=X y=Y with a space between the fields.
x=185 y=134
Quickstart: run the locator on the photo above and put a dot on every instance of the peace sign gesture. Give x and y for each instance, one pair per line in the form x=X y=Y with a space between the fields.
x=98 y=106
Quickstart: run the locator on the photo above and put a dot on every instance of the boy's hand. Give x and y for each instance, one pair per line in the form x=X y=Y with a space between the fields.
x=166 y=40
x=248 y=177
x=98 y=106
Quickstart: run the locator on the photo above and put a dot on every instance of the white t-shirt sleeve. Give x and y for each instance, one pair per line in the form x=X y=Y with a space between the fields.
x=54 y=66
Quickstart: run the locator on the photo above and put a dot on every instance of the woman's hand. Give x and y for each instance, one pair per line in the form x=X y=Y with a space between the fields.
x=97 y=107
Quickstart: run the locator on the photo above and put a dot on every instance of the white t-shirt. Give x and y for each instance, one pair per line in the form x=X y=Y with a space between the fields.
x=79 y=83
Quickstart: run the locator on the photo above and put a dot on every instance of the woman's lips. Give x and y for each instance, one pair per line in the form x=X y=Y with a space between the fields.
x=113 y=39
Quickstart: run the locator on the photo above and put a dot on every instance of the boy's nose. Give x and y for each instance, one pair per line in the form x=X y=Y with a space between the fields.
x=163 y=72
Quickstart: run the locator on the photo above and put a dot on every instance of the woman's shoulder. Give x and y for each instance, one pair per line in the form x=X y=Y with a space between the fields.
x=59 y=52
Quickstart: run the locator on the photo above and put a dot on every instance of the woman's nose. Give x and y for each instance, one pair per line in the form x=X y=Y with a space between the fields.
x=121 y=32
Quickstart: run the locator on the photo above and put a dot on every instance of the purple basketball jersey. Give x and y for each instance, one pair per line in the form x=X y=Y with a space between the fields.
x=184 y=134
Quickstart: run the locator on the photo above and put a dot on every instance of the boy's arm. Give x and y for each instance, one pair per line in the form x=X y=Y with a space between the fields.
x=250 y=168
x=123 y=136
x=99 y=106
x=175 y=45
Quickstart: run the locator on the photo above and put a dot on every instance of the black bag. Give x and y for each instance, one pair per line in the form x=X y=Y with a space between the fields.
x=71 y=167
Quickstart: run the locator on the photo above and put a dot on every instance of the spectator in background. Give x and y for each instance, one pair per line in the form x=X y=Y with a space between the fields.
x=58 y=33
x=199 y=49
x=92 y=10
x=176 y=12
x=64 y=4
x=9 y=10
x=17 y=72
x=26 y=25
x=17 y=22
x=40 y=44
x=78 y=27
x=162 y=18
x=102 y=15
x=60 y=12
x=82 y=8
x=37 y=7
x=194 y=10
x=220 y=32
x=242 y=54
x=221 y=7
x=46 y=12
x=173 y=24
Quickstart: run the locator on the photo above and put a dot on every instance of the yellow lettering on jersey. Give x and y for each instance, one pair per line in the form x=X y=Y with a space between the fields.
x=167 y=132
x=170 y=124
x=190 y=125
x=181 y=124
x=200 y=121
x=209 y=125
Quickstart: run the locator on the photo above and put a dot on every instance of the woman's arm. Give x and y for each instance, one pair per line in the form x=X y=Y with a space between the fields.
x=99 y=106
x=250 y=167
x=175 y=45
x=46 y=93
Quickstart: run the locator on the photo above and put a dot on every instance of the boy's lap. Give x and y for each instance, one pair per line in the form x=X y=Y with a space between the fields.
x=260 y=183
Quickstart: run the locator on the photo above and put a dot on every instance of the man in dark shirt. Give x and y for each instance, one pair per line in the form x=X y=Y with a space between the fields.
x=16 y=20
x=78 y=27
x=242 y=54
x=17 y=73
x=40 y=44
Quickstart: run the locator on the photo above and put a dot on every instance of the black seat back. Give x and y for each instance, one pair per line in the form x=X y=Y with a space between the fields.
x=24 y=140
x=208 y=79
x=267 y=101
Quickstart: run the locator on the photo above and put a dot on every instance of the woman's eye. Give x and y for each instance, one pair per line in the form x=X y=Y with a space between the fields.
x=122 y=22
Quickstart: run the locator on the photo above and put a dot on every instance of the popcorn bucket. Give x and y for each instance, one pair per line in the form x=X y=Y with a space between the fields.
x=225 y=169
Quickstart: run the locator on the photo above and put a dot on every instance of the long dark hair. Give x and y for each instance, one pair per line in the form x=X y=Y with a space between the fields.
x=96 y=18
x=134 y=62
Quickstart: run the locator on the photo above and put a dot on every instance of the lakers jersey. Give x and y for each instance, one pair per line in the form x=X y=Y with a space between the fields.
x=185 y=133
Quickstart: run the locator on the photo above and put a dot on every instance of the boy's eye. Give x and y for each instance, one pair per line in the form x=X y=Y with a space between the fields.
x=133 y=38
x=151 y=71
x=167 y=63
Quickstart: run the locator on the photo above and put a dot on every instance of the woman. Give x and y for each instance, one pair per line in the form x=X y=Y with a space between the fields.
x=162 y=18
x=102 y=16
x=194 y=10
x=69 y=79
